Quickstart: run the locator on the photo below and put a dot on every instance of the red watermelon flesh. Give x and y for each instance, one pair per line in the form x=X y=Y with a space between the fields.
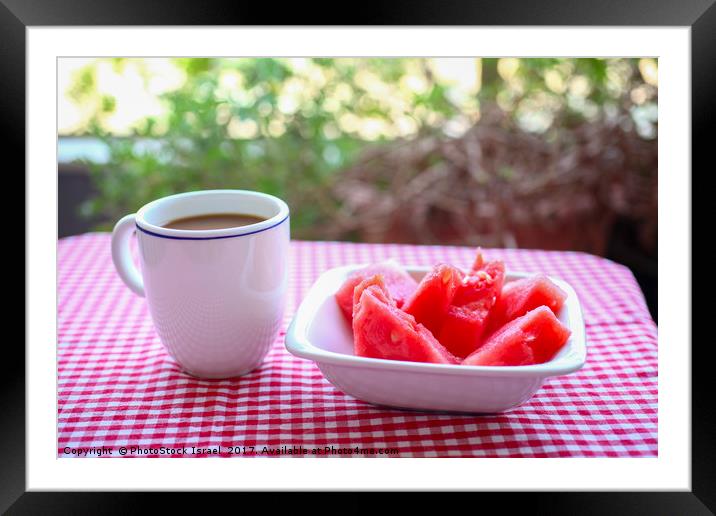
x=533 y=338
x=382 y=289
x=399 y=284
x=521 y=296
x=479 y=261
x=382 y=330
x=481 y=283
x=462 y=328
x=468 y=315
x=434 y=294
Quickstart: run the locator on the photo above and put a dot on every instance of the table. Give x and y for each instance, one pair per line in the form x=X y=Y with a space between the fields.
x=118 y=388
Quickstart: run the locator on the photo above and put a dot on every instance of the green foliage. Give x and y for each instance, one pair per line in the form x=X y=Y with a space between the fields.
x=200 y=144
x=267 y=125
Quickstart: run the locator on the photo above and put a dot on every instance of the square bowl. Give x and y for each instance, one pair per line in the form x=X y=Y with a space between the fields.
x=320 y=332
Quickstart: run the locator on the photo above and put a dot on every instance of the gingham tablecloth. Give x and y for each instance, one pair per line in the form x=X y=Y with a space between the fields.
x=118 y=388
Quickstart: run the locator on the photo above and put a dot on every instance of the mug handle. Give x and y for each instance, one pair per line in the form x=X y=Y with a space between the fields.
x=121 y=256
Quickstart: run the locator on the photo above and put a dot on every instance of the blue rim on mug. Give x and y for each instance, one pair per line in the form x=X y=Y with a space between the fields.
x=210 y=237
x=279 y=207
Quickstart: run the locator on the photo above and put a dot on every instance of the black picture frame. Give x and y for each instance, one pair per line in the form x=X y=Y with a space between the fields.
x=700 y=15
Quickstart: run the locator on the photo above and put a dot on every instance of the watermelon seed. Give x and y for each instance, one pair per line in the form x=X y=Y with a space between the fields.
x=483 y=275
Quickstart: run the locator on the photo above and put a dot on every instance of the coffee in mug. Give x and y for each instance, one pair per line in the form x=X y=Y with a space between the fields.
x=214 y=221
x=214 y=270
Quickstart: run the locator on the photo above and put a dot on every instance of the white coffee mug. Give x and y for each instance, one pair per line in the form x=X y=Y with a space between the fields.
x=216 y=296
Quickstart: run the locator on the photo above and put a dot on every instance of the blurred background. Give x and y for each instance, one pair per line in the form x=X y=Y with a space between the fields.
x=498 y=152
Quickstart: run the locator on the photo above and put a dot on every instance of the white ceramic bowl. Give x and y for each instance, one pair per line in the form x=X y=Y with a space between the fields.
x=319 y=332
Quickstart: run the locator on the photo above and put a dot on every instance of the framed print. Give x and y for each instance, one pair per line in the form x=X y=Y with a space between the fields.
x=436 y=239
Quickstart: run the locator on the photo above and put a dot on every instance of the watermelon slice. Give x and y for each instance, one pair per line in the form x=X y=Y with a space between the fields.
x=382 y=330
x=479 y=261
x=467 y=317
x=533 y=338
x=521 y=296
x=382 y=290
x=434 y=294
x=399 y=283
x=487 y=280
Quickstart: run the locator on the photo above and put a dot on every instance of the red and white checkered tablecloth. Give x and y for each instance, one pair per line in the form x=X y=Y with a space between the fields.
x=118 y=388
